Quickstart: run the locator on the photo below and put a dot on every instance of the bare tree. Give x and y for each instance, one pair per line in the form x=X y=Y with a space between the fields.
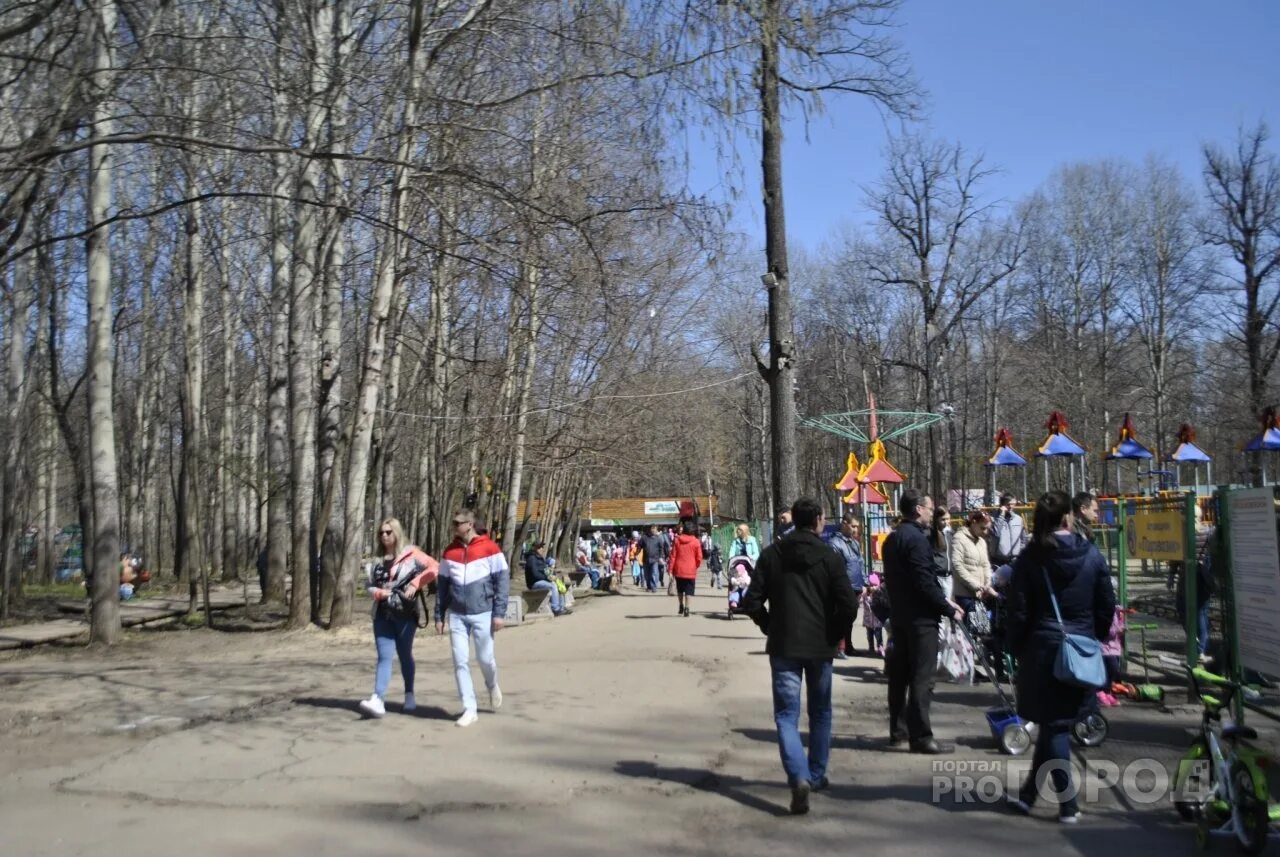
x=1244 y=193
x=1167 y=279
x=944 y=244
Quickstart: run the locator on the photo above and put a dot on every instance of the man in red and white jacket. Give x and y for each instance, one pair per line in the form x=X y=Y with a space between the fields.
x=472 y=591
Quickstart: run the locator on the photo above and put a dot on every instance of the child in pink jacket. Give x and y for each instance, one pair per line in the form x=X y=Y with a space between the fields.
x=1112 y=655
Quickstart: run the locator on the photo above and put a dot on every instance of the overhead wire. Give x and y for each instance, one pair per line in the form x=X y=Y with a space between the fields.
x=566 y=405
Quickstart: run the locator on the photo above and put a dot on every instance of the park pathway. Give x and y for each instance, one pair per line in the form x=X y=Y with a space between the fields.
x=626 y=730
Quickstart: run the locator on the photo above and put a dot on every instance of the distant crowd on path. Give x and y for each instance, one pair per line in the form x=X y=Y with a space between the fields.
x=805 y=595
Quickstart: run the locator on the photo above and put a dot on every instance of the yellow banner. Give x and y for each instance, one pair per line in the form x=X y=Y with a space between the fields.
x=1156 y=535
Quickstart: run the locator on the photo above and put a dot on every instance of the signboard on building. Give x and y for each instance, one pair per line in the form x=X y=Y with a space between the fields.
x=662 y=507
x=1255 y=577
x=1157 y=535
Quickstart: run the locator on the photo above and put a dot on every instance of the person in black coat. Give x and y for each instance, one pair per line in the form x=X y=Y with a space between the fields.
x=1080 y=579
x=916 y=603
x=800 y=596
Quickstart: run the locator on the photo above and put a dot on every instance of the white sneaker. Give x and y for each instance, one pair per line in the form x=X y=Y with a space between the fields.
x=495 y=697
x=410 y=704
x=467 y=718
x=1069 y=819
x=373 y=706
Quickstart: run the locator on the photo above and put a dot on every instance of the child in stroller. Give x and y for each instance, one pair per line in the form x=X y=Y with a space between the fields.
x=740 y=568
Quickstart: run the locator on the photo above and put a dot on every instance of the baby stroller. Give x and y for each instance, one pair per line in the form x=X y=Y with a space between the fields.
x=740 y=569
x=1014 y=735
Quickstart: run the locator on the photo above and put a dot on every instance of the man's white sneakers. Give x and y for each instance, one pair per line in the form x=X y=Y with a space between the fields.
x=410 y=704
x=373 y=706
x=495 y=697
x=467 y=718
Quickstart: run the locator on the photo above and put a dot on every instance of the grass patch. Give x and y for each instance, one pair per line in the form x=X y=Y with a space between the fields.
x=194 y=620
x=54 y=590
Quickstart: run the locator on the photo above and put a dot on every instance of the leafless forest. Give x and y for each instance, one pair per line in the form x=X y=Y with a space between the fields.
x=274 y=270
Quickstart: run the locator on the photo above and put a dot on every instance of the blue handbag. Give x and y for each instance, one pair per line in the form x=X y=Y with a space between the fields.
x=1079 y=660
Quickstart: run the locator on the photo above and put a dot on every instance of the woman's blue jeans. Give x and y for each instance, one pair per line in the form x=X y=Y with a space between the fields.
x=394 y=638
x=1203 y=627
x=1053 y=752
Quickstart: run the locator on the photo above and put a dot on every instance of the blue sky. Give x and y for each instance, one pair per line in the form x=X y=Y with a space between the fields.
x=1034 y=84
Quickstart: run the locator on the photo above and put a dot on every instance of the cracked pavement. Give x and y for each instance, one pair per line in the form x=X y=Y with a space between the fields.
x=625 y=730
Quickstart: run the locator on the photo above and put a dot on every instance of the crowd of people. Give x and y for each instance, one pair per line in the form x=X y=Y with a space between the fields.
x=1046 y=584
x=805 y=591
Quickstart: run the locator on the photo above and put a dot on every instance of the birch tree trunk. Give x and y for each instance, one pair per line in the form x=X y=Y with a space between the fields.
x=510 y=543
x=16 y=387
x=228 y=486
x=278 y=373
x=330 y=399
x=303 y=346
x=188 y=557
x=105 y=612
x=49 y=493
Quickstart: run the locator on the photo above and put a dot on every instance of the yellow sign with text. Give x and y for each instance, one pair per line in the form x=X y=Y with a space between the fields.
x=1157 y=535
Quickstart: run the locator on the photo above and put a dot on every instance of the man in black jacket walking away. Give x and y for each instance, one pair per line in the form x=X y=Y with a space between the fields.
x=801 y=598
x=916 y=604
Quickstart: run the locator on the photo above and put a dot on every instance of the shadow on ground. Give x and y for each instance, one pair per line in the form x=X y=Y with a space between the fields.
x=426 y=712
x=736 y=788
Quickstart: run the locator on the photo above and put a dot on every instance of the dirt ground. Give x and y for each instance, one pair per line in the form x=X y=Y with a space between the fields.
x=626 y=730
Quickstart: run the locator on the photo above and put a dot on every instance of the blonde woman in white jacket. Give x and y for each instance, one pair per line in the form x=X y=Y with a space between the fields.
x=970 y=562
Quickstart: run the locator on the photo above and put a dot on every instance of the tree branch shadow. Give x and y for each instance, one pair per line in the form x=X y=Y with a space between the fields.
x=731 y=787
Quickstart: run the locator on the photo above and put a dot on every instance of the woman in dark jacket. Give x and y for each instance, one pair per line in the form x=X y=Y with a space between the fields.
x=1081 y=581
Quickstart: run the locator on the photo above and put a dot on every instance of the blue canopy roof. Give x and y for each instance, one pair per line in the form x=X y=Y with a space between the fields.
x=1059 y=444
x=1006 y=456
x=1268 y=440
x=1189 y=452
x=1129 y=450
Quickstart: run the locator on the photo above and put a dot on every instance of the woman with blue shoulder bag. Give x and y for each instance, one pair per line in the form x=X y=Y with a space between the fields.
x=1060 y=605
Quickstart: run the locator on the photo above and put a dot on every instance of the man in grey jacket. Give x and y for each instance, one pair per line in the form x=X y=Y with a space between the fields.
x=1008 y=532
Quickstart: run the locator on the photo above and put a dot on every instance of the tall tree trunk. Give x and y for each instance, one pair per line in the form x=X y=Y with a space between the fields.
x=189 y=560
x=303 y=335
x=510 y=544
x=278 y=466
x=383 y=298
x=105 y=613
x=780 y=372
x=49 y=488
x=330 y=401
x=16 y=387
x=228 y=484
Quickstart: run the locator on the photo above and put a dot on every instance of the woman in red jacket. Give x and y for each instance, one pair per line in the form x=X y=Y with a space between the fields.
x=686 y=558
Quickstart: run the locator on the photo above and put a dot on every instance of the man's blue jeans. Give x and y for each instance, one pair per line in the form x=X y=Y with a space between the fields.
x=651 y=576
x=556 y=599
x=787 y=677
